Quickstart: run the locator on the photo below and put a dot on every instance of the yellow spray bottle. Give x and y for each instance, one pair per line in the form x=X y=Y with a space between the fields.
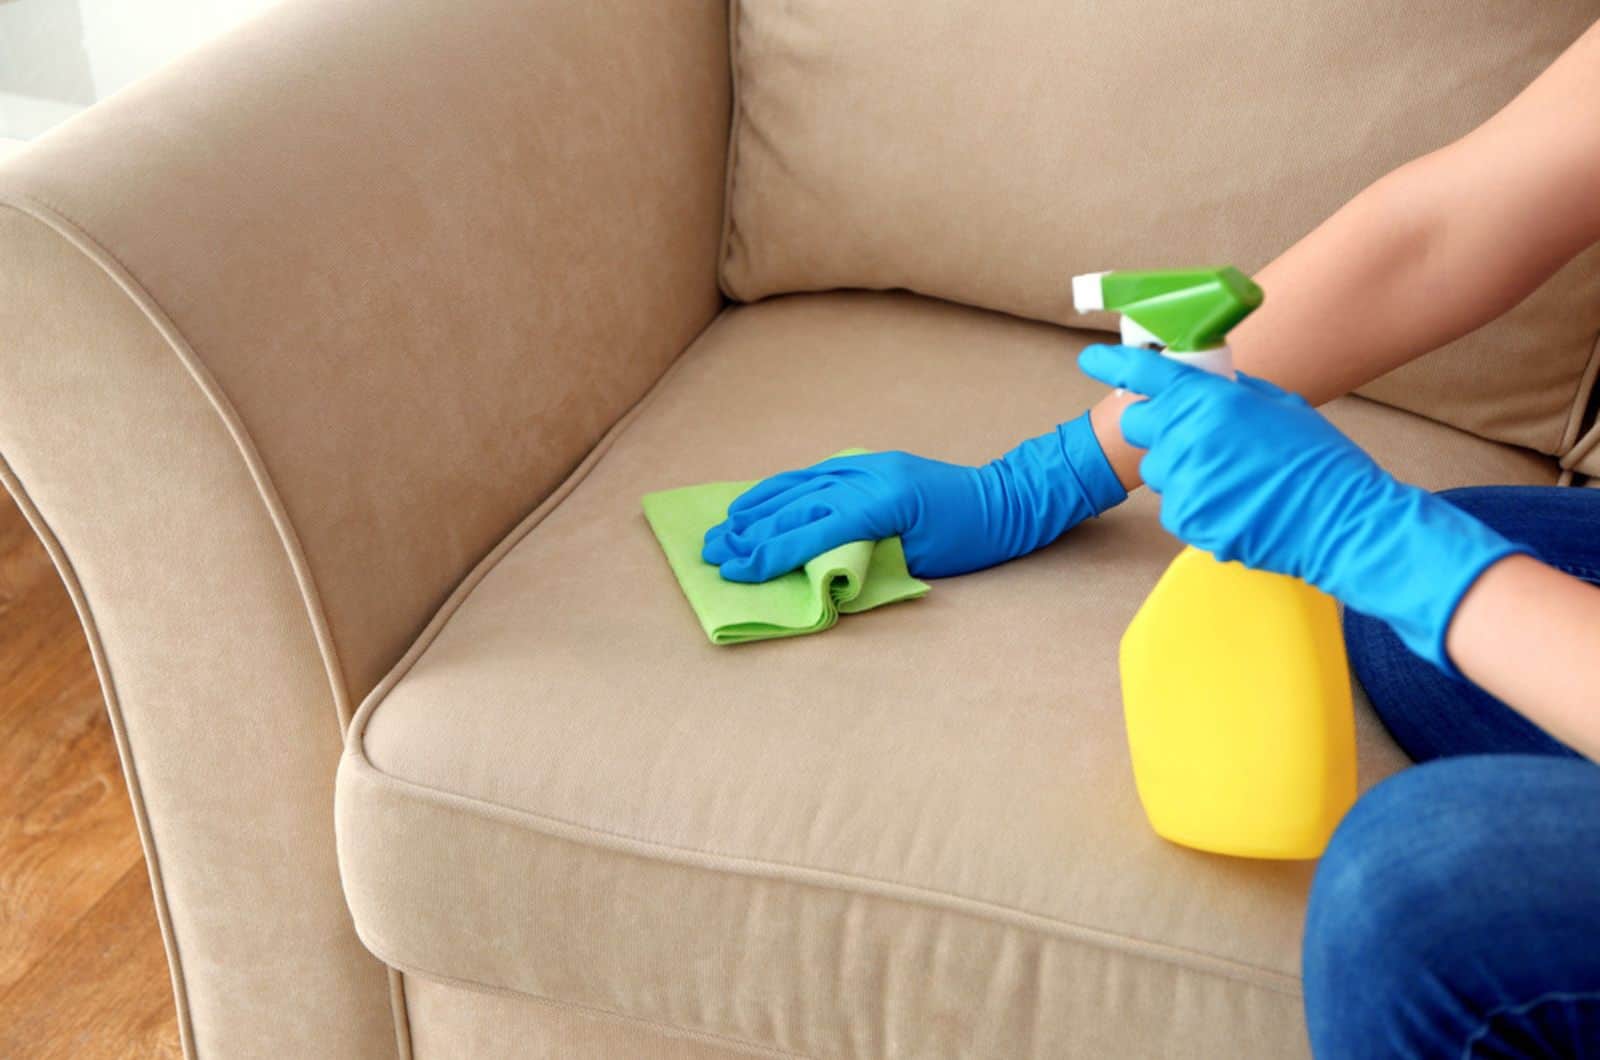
x=1235 y=687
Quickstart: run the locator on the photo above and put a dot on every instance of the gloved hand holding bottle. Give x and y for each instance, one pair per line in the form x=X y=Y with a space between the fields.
x=1250 y=472
x=950 y=518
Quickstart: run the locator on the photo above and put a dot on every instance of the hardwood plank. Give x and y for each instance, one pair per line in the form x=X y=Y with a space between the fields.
x=101 y=991
x=41 y=643
x=67 y=834
x=82 y=969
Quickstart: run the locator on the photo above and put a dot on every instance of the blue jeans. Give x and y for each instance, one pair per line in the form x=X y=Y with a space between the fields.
x=1456 y=912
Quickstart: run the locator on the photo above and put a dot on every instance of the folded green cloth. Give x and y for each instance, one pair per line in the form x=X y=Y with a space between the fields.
x=854 y=577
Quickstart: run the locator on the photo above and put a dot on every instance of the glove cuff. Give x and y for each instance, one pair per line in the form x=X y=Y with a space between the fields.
x=1436 y=652
x=1435 y=553
x=1087 y=463
x=1046 y=486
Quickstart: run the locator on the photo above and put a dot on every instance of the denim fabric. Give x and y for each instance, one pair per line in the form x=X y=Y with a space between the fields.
x=1456 y=912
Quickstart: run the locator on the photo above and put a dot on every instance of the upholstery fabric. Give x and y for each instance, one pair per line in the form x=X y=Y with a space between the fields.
x=916 y=836
x=1584 y=458
x=450 y=1022
x=291 y=333
x=428 y=258
x=986 y=152
x=211 y=672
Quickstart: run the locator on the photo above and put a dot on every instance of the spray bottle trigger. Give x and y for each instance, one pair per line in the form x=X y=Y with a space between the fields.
x=1135 y=334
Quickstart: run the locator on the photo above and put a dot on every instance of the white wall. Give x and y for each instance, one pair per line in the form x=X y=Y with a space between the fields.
x=59 y=56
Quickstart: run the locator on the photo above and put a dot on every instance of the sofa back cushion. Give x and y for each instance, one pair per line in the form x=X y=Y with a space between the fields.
x=985 y=152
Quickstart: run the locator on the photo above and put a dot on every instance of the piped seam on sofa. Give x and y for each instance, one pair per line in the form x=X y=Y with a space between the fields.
x=910 y=894
x=58 y=219
x=397 y=1006
x=141 y=818
x=671 y=1029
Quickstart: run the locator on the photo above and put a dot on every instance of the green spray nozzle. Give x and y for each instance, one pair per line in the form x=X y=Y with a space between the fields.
x=1188 y=310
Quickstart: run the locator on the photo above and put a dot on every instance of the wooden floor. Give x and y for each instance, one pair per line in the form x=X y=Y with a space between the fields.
x=82 y=971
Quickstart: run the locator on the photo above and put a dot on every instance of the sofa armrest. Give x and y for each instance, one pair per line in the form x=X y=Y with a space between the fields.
x=290 y=334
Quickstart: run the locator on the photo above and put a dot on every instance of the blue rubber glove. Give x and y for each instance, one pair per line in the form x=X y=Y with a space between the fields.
x=951 y=518
x=1250 y=472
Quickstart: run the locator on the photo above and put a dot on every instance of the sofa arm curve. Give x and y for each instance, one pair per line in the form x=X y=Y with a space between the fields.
x=427 y=253
x=291 y=334
x=217 y=689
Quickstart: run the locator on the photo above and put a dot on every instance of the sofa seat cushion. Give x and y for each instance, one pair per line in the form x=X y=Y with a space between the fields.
x=914 y=835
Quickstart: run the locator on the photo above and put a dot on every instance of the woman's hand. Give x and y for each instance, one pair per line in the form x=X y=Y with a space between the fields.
x=1252 y=473
x=951 y=518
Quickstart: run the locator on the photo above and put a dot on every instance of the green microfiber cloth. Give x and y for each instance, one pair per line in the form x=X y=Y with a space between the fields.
x=853 y=577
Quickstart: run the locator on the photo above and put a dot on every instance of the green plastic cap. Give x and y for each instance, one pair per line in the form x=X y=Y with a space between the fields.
x=1189 y=310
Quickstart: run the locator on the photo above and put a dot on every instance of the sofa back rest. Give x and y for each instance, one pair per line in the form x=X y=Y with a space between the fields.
x=985 y=152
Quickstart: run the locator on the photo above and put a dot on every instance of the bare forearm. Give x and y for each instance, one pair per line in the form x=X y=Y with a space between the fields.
x=1381 y=282
x=1341 y=307
x=1432 y=251
x=1530 y=635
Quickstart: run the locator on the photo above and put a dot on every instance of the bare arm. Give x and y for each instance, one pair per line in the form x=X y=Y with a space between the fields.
x=1437 y=248
x=1530 y=635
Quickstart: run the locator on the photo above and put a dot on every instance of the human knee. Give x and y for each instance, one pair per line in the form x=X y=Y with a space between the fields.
x=1374 y=915
x=1447 y=889
x=1370 y=886
x=1384 y=895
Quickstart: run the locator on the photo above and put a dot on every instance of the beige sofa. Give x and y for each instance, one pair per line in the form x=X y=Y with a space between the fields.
x=335 y=358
